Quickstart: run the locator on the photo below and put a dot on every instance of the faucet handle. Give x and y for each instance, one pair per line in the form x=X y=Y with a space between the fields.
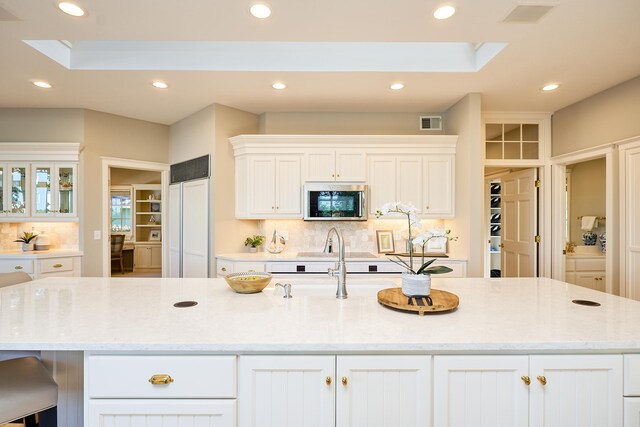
x=286 y=287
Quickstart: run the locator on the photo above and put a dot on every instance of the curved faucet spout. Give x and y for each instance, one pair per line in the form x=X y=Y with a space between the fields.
x=340 y=271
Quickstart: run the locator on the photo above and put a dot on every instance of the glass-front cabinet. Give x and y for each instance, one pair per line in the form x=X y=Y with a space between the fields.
x=15 y=190
x=54 y=193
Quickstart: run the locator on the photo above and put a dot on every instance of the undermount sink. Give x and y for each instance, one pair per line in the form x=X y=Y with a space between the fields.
x=334 y=255
x=327 y=288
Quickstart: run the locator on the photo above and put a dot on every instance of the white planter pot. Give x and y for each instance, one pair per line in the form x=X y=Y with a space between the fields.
x=26 y=247
x=416 y=284
x=253 y=250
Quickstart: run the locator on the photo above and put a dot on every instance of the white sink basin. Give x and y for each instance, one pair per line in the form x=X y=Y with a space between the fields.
x=327 y=288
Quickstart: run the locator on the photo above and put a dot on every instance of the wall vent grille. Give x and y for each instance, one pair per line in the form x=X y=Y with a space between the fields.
x=430 y=122
x=191 y=169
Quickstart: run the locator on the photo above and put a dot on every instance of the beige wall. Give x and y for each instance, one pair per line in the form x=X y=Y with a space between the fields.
x=344 y=123
x=464 y=120
x=134 y=176
x=41 y=125
x=193 y=136
x=588 y=195
x=111 y=136
x=608 y=116
x=229 y=233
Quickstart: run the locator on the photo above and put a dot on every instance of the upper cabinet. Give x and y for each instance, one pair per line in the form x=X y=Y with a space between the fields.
x=336 y=165
x=272 y=169
x=34 y=190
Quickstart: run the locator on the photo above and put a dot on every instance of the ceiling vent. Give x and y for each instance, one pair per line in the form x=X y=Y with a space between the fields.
x=5 y=15
x=527 y=14
x=430 y=122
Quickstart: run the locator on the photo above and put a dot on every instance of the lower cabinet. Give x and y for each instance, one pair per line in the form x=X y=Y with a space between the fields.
x=631 y=412
x=147 y=256
x=40 y=268
x=305 y=391
x=536 y=391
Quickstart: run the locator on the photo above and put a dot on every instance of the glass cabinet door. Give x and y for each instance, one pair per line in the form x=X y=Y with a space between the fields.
x=66 y=186
x=42 y=183
x=19 y=190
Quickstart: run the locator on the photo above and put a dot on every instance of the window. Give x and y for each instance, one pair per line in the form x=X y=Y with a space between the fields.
x=121 y=212
x=512 y=141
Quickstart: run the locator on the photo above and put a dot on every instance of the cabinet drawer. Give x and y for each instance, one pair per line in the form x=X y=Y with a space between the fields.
x=55 y=264
x=632 y=374
x=591 y=264
x=570 y=264
x=11 y=265
x=239 y=267
x=224 y=267
x=194 y=376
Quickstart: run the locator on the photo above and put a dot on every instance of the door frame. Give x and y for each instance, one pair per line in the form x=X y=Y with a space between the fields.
x=629 y=144
x=113 y=162
x=559 y=167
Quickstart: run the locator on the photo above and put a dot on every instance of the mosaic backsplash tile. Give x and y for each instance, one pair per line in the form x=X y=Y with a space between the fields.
x=63 y=235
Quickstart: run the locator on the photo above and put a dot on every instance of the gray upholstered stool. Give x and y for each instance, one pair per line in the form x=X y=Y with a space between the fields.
x=26 y=386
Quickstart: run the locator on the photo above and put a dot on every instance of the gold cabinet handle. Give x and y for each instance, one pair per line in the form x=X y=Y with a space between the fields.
x=345 y=381
x=338 y=175
x=57 y=265
x=160 y=379
x=328 y=380
x=18 y=267
x=223 y=269
x=526 y=379
x=427 y=207
x=542 y=379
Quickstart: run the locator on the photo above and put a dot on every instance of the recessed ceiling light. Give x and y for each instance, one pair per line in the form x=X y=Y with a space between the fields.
x=279 y=86
x=550 y=87
x=260 y=10
x=71 y=8
x=160 y=85
x=444 y=12
x=43 y=85
x=397 y=86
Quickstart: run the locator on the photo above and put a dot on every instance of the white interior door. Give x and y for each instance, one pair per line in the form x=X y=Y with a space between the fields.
x=631 y=224
x=519 y=211
x=175 y=226
x=195 y=228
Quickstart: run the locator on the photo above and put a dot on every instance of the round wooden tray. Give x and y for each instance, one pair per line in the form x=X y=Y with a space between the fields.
x=443 y=301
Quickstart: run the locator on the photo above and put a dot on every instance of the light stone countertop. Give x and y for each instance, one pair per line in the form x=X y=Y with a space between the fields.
x=293 y=256
x=50 y=253
x=137 y=314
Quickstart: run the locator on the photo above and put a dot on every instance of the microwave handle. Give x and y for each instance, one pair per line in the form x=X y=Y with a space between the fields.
x=363 y=208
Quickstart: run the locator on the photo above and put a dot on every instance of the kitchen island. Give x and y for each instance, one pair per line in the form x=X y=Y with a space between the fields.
x=517 y=351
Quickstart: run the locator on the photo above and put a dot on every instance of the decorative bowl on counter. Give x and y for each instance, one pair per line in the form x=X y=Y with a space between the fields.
x=248 y=282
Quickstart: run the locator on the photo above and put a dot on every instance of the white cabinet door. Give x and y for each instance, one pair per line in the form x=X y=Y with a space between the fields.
x=161 y=412
x=17 y=190
x=320 y=165
x=595 y=281
x=155 y=256
x=351 y=165
x=286 y=391
x=261 y=185
x=288 y=187
x=632 y=412
x=141 y=257
x=579 y=391
x=485 y=391
x=385 y=391
x=409 y=180
x=382 y=181
x=66 y=194
x=439 y=186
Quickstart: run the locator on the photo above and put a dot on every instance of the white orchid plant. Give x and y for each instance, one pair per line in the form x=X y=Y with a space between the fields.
x=413 y=221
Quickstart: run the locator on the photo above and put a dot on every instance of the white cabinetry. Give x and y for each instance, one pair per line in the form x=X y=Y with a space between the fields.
x=563 y=391
x=294 y=391
x=159 y=390
x=269 y=187
x=53 y=190
x=147 y=256
x=427 y=182
x=42 y=267
x=15 y=190
x=286 y=391
x=335 y=165
x=587 y=271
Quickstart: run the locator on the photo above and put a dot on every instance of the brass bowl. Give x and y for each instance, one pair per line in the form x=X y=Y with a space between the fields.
x=248 y=282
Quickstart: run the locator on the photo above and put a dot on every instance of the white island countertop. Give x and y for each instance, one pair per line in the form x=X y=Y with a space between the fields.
x=495 y=315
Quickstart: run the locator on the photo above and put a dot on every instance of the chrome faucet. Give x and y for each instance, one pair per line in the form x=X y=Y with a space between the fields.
x=341 y=270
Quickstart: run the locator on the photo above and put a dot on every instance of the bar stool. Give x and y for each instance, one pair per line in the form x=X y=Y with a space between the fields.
x=26 y=386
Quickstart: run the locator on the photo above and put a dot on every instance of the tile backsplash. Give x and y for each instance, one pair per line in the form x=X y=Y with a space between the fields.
x=309 y=236
x=63 y=235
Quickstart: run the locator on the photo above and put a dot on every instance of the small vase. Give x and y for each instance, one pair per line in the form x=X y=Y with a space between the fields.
x=253 y=250
x=416 y=284
x=603 y=242
x=589 y=238
x=26 y=247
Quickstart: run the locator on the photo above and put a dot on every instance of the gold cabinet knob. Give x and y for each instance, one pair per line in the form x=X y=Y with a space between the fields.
x=526 y=379
x=57 y=265
x=328 y=380
x=345 y=381
x=18 y=267
x=427 y=207
x=338 y=175
x=160 y=379
x=542 y=379
x=223 y=269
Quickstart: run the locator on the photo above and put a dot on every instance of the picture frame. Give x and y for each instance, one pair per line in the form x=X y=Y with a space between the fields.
x=384 y=240
x=154 y=206
x=155 y=236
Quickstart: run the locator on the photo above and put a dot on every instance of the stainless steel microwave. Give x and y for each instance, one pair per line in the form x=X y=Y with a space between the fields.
x=329 y=201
